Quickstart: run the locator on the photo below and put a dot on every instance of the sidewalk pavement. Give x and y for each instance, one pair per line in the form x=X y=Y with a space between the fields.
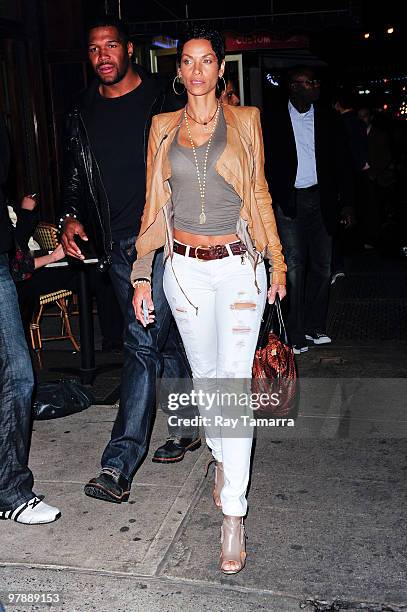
x=327 y=507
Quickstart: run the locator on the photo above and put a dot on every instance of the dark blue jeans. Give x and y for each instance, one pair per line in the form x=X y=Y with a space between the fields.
x=307 y=250
x=16 y=388
x=148 y=354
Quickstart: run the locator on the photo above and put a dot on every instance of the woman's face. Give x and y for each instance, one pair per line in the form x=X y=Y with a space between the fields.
x=199 y=68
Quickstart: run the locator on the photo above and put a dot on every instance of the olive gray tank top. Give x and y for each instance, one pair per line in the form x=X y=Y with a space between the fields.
x=222 y=204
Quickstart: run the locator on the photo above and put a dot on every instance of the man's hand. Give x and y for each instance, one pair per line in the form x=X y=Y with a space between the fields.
x=72 y=228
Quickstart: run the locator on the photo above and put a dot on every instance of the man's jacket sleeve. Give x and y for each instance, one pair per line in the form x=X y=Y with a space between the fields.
x=73 y=188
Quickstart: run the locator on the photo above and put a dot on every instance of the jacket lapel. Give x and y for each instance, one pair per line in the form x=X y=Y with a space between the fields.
x=167 y=136
x=230 y=163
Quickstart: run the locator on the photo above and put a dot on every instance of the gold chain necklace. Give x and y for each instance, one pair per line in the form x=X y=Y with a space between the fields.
x=202 y=183
x=205 y=123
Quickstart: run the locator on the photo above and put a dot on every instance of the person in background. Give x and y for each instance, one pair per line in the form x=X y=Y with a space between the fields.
x=26 y=266
x=311 y=184
x=18 y=502
x=208 y=203
x=357 y=144
x=229 y=94
x=381 y=179
x=355 y=130
x=24 y=221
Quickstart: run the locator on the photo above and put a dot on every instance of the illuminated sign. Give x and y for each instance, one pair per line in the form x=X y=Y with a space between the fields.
x=262 y=40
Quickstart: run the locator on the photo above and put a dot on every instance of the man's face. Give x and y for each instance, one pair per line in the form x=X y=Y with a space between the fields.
x=229 y=95
x=305 y=87
x=364 y=115
x=109 y=57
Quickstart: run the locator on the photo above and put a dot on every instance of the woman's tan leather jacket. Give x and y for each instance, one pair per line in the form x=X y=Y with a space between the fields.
x=241 y=165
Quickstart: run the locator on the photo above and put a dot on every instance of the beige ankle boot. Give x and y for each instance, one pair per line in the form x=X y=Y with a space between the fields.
x=233 y=545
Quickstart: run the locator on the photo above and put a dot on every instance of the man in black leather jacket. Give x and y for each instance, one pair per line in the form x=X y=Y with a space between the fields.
x=103 y=200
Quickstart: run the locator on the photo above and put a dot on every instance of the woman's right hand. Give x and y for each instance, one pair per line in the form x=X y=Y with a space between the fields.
x=143 y=292
x=58 y=253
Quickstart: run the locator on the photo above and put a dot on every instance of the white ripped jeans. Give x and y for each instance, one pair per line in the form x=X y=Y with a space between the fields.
x=220 y=341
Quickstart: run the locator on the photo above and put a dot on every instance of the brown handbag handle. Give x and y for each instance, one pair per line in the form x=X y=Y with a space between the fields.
x=273 y=310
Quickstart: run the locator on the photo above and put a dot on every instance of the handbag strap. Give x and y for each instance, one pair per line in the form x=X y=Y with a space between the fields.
x=272 y=311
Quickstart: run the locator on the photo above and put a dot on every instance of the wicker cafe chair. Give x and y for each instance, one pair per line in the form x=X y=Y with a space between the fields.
x=46 y=235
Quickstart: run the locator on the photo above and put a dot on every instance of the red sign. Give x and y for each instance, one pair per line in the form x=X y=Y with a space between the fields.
x=261 y=40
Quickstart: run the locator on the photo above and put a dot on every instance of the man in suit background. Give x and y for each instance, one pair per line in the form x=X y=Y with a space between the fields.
x=311 y=185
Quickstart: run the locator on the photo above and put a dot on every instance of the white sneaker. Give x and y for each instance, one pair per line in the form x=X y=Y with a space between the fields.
x=318 y=338
x=33 y=512
x=297 y=349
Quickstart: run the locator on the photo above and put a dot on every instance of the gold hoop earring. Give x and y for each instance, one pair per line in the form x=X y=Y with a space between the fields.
x=178 y=93
x=222 y=78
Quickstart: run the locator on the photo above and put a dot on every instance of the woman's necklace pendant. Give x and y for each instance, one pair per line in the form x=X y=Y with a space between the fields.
x=202 y=218
x=205 y=127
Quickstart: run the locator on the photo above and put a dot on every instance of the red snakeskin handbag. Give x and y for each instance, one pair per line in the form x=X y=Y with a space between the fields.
x=274 y=371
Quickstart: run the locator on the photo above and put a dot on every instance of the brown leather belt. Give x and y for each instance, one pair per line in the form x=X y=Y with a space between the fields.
x=206 y=253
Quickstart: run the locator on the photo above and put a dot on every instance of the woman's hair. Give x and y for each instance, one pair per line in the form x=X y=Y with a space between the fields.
x=199 y=32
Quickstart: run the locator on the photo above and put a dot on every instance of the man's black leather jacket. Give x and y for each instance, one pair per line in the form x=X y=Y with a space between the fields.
x=83 y=193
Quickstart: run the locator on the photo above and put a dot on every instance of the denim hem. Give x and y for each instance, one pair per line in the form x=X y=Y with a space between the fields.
x=25 y=498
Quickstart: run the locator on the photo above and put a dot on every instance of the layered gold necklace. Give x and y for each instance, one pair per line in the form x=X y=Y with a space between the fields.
x=202 y=179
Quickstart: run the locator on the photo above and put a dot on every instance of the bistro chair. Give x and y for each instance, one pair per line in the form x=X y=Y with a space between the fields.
x=46 y=235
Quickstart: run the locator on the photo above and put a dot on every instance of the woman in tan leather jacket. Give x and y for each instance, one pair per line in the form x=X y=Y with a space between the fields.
x=208 y=205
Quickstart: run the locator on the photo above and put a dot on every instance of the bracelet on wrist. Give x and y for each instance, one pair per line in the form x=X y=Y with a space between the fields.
x=64 y=218
x=141 y=281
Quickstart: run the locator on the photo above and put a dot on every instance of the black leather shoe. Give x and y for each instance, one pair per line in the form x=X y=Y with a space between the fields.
x=174 y=449
x=108 y=487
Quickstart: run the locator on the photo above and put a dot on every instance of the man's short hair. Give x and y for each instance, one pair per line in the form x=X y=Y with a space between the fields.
x=294 y=72
x=106 y=21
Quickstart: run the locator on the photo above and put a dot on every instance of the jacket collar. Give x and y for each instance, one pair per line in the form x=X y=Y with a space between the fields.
x=229 y=114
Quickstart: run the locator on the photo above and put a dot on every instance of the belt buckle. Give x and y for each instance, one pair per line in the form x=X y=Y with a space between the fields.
x=203 y=248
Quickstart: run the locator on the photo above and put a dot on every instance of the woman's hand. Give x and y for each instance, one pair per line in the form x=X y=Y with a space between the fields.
x=274 y=289
x=29 y=202
x=143 y=292
x=57 y=254
x=53 y=257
